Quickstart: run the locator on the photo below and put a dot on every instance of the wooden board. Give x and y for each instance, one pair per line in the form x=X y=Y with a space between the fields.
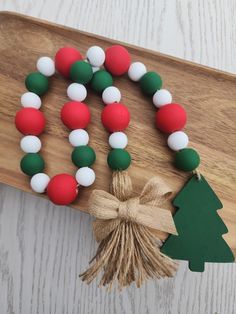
x=208 y=96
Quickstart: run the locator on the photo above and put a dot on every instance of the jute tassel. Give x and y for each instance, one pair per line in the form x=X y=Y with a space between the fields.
x=128 y=250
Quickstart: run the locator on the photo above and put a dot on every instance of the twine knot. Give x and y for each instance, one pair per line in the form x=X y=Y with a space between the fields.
x=127 y=210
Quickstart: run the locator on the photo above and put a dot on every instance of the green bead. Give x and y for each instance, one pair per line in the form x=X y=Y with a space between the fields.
x=81 y=72
x=187 y=159
x=37 y=83
x=101 y=80
x=32 y=163
x=118 y=159
x=150 y=83
x=83 y=156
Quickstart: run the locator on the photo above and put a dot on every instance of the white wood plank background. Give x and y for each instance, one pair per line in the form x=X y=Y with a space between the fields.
x=43 y=247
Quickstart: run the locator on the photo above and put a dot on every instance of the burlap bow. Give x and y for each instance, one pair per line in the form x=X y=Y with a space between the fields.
x=144 y=209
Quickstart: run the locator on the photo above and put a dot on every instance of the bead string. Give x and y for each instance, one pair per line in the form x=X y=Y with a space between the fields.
x=170 y=117
x=198 y=174
x=115 y=116
x=30 y=121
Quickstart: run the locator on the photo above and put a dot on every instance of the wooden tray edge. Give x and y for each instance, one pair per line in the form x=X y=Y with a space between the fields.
x=164 y=57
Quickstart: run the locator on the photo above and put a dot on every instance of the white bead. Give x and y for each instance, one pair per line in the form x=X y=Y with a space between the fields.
x=95 y=56
x=136 y=71
x=31 y=100
x=78 y=137
x=111 y=94
x=30 y=144
x=46 y=66
x=162 y=97
x=118 y=140
x=77 y=92
x=85 y=176
x=177 y=140
x=39 y=182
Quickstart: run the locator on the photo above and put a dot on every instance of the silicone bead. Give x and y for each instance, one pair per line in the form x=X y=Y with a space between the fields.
x=31 y=164
x=162 y=97
x=30 y=121
x=136 y=71
x=64 y=59
x=115 y=117
x=187 y=159
x=171 y=118
x=75 y=115
x=39 y=182
x=101 y=80
x=117 y=60
x=81 y=72
x=177 y=140
x=78 y=137
x=83 y=156
x=30 y=144
x=96 y=56
x=62 y=189
x=46 y=66
x=37 y=83
x=118 y=140
x=31 y=100
x=111 y=94
x=85 y=176
x=118 y=159
x=77 y=92
x=150 y=83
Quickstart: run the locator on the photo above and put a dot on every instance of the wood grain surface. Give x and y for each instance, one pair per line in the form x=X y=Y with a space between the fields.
x=44 y=247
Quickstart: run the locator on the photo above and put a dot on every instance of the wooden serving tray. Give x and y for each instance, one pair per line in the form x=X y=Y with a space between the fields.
x=208 y=96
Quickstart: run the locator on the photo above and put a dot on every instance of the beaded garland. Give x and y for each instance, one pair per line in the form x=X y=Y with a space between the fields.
x=170 y=117
x=117 y=229
x=62 y=189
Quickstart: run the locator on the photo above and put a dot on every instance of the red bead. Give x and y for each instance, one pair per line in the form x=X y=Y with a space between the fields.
x=64 y=59
x=171 y=118
x=30 y=121
x=117 y=60
x=115 y=117
x=62 y=189
x=75 y=115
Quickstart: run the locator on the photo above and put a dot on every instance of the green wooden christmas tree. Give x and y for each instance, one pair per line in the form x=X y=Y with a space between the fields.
x=199 y=227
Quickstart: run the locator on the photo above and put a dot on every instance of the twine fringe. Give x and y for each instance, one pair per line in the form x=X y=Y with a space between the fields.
x=131 y=251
